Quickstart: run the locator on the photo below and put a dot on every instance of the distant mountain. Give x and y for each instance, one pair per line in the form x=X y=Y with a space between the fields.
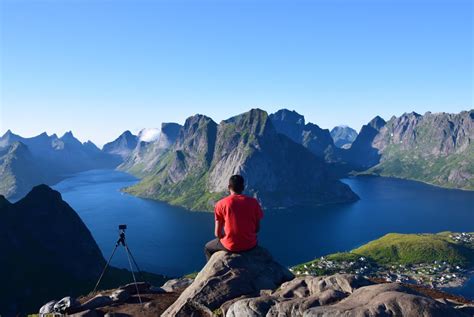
x=47 y=159
x=311 y=136
x=362 y=154
x=437 y=148
x=280 y=172
x=343 y=136
x=143 y=158
x=122 y=146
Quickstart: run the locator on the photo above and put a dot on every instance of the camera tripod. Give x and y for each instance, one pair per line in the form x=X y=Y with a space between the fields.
x=121 y=241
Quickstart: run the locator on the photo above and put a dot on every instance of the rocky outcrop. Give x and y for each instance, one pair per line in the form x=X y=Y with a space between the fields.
x=339 y=295
x=252 y=284
x=228 y=276
x=390 y=299
x=343 y=136
x=194 y=172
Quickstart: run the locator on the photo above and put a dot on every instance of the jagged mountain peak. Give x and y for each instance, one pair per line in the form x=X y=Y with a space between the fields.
x=8 y=134
x=289 y=116
x=66 y=135
x=377 y=123
x=253 y=121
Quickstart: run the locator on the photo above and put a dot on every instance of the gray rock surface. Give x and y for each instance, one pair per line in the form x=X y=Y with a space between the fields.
x=339 y=295
x=227 y=276
x=297 y=295
x=390 y=299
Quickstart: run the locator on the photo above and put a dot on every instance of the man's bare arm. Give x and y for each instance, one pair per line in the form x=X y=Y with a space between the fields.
x=218 y=232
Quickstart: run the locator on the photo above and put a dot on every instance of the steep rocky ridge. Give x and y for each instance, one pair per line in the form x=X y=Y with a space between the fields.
x=437 y=148
x=122 y=146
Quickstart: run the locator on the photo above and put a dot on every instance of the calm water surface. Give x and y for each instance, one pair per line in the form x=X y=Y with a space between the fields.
x=170 y=240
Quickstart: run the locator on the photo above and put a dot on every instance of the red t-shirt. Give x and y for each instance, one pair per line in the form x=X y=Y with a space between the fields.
x=240 y=215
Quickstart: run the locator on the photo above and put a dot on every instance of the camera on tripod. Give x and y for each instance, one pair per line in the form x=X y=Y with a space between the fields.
x=121 y=241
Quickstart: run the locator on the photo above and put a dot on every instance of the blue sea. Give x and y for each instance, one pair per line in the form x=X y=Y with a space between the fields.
x=169 y=240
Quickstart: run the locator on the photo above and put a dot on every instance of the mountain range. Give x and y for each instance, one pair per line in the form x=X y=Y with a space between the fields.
x=26 y=162
x=195 y=170
x=435 y=148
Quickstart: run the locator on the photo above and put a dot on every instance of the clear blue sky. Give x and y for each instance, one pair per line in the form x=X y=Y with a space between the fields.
x=101 y=67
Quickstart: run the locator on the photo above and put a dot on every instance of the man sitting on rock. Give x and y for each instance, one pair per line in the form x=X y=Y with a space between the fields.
x=237 y=221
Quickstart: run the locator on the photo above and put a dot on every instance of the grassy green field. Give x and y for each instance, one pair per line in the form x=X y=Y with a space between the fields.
x=407 y=249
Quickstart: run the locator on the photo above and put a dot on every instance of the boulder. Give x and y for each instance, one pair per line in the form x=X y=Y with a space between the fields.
x=66 y=303
x=227 y=276
x=47 y=308
x=177 y=284
x=120 y=295
x=132 y=288
x=391 y=299
x=96 y=302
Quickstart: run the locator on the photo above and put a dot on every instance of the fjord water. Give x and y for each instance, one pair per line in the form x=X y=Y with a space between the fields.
x=169 y=240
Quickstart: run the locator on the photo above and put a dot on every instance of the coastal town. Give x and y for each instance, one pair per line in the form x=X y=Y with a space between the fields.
x=436 y=274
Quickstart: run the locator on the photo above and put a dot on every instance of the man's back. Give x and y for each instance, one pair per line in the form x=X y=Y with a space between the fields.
x=241 y=215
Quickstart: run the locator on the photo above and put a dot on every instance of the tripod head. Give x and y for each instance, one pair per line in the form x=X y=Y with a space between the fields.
x=121 y=239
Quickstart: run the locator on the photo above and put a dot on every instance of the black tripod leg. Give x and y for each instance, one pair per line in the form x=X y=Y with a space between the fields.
x=133 y=274
x=105 y=268
x=135 y=262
